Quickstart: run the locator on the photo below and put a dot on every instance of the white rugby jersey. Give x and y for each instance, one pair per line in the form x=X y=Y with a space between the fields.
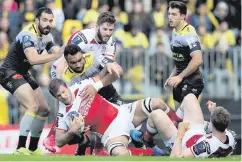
x=99 y=114
x=210 y=146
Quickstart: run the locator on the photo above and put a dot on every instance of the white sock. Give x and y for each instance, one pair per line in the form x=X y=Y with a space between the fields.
x=150 y=129
x=180 y=113
x=167 y=110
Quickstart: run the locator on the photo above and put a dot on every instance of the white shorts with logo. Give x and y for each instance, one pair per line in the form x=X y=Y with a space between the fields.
x=194 y=129
x=122 y=124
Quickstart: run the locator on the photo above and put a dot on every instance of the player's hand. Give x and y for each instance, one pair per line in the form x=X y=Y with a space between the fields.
x=182 y=128
x=211 y=106
x=76 y=123
x=88 y=94
x=113 y=68
x=175 y=81
x=166 y=84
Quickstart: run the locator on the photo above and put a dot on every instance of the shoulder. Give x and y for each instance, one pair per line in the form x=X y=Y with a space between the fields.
x=28 y=33
x=189 y=30
x=87 y=35
x=111 y=41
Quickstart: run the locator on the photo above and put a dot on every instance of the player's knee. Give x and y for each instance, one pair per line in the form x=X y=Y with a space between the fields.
x=120 y=151
x=44 y=111
x=157 y=114
x=189 y=97
x=32 y=107
x=158 y=103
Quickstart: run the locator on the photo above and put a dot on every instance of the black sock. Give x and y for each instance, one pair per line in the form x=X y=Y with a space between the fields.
x=33 y=145
x=22 y=141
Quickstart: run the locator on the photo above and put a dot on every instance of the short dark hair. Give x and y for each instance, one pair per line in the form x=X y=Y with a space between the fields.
x=220 y=118
x=41 y=10
x=55 y=85
x=71 y=49
x=179 y=5
x=106 y=17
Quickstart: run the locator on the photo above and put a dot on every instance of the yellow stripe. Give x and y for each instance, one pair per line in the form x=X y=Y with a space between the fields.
x=41 y=117
x=31 y=114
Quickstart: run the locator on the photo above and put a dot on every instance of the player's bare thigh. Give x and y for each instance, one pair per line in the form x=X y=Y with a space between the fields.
x=118 y=146
x=192 y=110
x=26 y=97
x=140 y=116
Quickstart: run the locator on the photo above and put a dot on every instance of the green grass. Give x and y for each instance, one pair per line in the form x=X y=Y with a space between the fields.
x=98 y=158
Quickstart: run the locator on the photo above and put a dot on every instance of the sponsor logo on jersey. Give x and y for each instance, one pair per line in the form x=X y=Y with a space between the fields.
x=83 y=37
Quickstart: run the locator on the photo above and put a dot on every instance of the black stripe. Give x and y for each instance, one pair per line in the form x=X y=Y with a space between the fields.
x=150 y=106
x=34 y=29
x=185 y=27
x=149 y=110
x=117 y=145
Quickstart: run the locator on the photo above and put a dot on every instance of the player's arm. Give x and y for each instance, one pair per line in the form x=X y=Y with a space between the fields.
x=177 y=147
x=64 y=137
x=105 y=78
x=196 y=55
x=32 y=55
x=58 y=67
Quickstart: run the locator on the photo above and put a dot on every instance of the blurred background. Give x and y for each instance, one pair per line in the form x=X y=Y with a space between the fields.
x=143 y=50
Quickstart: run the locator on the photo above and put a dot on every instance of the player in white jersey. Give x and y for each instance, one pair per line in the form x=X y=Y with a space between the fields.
x=111 y=121
x=192 y=141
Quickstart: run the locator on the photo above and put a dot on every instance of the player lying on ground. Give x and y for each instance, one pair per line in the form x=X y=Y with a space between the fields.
x=191 y=138
x=111 y=121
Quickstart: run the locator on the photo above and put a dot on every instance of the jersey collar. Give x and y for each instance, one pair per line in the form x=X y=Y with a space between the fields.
x=182 y=27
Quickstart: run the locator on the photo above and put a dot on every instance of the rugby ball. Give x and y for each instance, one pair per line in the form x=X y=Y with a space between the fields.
x=71 y=116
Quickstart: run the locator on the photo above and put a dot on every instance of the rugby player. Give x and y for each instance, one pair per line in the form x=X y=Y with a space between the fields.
x=99 y=41
x=186 y=76
x=191 y=139
x=26 y=51
x=111 y=121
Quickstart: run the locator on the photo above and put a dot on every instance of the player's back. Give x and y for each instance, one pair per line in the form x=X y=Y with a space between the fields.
x=28 y=37
x=99 y=114
x=210 y=146
x=183 y=43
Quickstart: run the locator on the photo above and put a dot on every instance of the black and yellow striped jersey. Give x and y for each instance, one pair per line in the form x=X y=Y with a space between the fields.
x=183 y=43
x=28 y=37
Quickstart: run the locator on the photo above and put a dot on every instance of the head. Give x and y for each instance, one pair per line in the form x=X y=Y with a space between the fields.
x=74 y=58
x=4 y=24
x=105 y=25
x=176 y=13
x=220 y=119
x=224 y=26
x=44 y=19
x=60 y=91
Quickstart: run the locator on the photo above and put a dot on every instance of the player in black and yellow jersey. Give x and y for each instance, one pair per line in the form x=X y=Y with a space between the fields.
x=186 y=77
x=26 y=51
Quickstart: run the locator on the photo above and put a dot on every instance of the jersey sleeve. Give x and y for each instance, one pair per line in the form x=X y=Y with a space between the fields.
x=60 y=118
x=53 y=72
x=192 y=41
x=102 y=60
x=80 y=40
x=27 y=40
x=201 y=149
x=49 y=43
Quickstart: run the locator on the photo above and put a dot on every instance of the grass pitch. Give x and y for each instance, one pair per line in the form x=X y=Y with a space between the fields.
x=99 y=158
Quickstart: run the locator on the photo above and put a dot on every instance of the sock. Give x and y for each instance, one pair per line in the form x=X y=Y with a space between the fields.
x=25 y=126
x=141 y=152
x=180 y=113
x=36 y=130
x=169 y=143
x=149 y=134
x=167 y=109
x=52 y=129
